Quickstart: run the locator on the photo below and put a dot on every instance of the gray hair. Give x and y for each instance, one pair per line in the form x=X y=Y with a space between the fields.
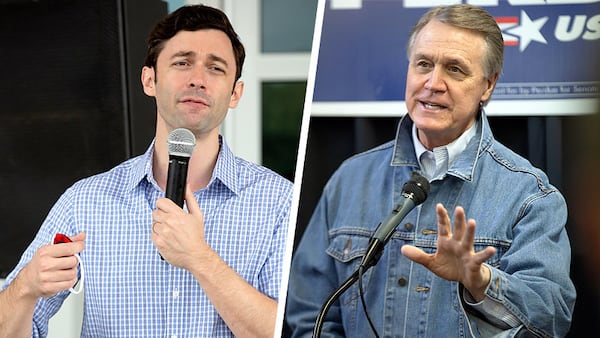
x=474 y=19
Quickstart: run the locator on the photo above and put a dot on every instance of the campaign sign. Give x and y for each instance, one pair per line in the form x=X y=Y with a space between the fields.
x=551 y=56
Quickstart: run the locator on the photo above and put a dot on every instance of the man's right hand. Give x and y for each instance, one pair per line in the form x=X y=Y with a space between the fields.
x=52 y=269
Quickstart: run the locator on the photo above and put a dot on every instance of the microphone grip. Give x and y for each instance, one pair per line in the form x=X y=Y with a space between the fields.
x=386 y=229
x=384 y=232
x=176 y=179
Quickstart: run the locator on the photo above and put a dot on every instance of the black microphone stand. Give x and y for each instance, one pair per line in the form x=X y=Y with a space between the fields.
x=370 y=258
x=415 y=191
x=332 y=298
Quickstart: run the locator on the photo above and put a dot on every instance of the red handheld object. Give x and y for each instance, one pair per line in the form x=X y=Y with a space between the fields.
x=60 y=238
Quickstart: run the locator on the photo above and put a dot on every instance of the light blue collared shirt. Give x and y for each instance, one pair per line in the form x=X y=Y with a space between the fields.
x=434 y=164
x=129 y=290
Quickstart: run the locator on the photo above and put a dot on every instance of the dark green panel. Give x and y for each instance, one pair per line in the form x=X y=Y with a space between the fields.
x=282 y=104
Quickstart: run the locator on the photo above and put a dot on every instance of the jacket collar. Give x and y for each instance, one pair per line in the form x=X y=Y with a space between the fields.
x=465 y=163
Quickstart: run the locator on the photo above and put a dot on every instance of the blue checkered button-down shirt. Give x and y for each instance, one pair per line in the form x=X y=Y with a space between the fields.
x=129 y=290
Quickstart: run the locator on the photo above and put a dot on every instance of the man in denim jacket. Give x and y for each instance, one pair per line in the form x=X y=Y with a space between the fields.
x=440 y=275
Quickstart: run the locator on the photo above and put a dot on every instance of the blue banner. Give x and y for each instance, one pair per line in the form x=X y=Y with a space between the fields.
x=551 y=66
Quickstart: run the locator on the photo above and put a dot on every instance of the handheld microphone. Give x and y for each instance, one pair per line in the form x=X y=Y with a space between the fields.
x=180 y=145
x=414 y=192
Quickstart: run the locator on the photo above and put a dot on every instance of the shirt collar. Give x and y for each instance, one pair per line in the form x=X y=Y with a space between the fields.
x=453 y=149
x=225 y=171
x=464 y=162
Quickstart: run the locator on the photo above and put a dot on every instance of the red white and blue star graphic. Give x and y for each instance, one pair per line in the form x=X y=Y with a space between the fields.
x=521 y=32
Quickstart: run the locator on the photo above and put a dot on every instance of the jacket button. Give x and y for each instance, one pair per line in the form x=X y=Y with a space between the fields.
x=401 y=281
x=408 y=226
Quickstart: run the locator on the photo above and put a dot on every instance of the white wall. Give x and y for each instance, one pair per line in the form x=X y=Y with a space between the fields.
x=67 y=322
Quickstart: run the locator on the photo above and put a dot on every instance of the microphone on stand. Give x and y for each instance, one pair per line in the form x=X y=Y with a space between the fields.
x=414 y=192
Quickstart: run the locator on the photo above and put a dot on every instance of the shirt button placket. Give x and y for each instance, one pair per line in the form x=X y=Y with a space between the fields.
x=173 y=294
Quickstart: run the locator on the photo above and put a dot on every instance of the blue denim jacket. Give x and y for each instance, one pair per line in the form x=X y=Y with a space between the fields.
x=516 y=209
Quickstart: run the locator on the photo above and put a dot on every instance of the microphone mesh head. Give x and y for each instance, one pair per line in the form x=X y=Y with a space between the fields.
x=181 y=142
x=418 y=186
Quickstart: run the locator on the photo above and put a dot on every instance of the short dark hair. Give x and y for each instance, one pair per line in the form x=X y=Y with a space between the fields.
x=192 y=18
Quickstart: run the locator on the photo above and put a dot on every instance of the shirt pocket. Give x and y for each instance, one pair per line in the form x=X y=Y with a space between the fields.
x=347 y=246
x=501 y=246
